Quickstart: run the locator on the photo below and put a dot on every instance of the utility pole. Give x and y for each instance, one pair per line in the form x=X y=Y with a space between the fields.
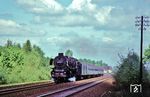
x=141 y=23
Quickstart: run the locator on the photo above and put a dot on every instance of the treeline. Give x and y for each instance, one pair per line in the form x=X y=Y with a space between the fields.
x=22 y=63
x=89 y=61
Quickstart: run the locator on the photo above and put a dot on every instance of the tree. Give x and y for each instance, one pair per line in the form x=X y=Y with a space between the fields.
x=69 y=53
x=27 y=46
x=9 y=43
x=128 y=70
x=18 y=66
x=18 y=45
x=147 y=59
x=38 y=49
x=147 y=54
x=89 y=61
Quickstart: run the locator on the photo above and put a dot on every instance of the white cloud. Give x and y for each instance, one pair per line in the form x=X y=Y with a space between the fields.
x=12 y=28
x=52 y=4
x=57 y=39
x=41 y=6
x=78 y=13
x=38 y=10
x=8 y=23
x=103 y=14
x=79 y=5
x=30 y=3
x=107 y=39
x=72 y=21
x=89 y=13
x=9 y=27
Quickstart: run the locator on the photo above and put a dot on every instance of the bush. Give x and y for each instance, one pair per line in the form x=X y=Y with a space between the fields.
x=20 y=65
x=128 y=71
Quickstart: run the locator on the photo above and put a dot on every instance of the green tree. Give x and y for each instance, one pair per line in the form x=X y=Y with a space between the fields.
x=18 y=45
x=147 y=59
x=147 y=54
x=18 y=66
x=69 y=53
x=89 y=61
x=38 y=49
x=27 y=46
x=128 y=70
x=9 y=43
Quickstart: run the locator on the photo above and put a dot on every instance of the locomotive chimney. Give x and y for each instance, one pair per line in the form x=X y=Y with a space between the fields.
x=60 y=54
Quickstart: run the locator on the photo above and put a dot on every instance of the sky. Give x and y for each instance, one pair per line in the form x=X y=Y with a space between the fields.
x=94 y=29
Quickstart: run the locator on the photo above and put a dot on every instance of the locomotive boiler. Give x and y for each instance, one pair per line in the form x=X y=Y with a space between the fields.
x=68 y=69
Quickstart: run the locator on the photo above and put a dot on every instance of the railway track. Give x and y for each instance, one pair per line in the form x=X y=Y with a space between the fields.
x=23 y=84
x=70 y=91
x=8 y=91
x=49 y=89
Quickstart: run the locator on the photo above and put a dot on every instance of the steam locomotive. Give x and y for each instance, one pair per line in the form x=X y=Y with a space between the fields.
x=70 y=69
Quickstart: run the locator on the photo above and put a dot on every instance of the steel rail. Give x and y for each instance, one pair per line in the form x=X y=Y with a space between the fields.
x=66 y=92
x=23 y=88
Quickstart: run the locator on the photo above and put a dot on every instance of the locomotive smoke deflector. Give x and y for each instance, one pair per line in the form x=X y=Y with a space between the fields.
x=51 y=61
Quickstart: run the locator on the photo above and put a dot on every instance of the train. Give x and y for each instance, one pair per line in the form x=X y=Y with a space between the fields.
x=68 y=68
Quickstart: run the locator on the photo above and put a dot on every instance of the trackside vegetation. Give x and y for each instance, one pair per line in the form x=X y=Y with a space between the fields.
x=128 y=72
x=22 y=63
x=27 y=63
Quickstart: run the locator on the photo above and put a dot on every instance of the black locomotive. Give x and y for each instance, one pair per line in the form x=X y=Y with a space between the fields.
x=66 y=68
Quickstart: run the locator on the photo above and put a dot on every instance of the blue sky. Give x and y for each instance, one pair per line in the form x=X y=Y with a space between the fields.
x=95 y=29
